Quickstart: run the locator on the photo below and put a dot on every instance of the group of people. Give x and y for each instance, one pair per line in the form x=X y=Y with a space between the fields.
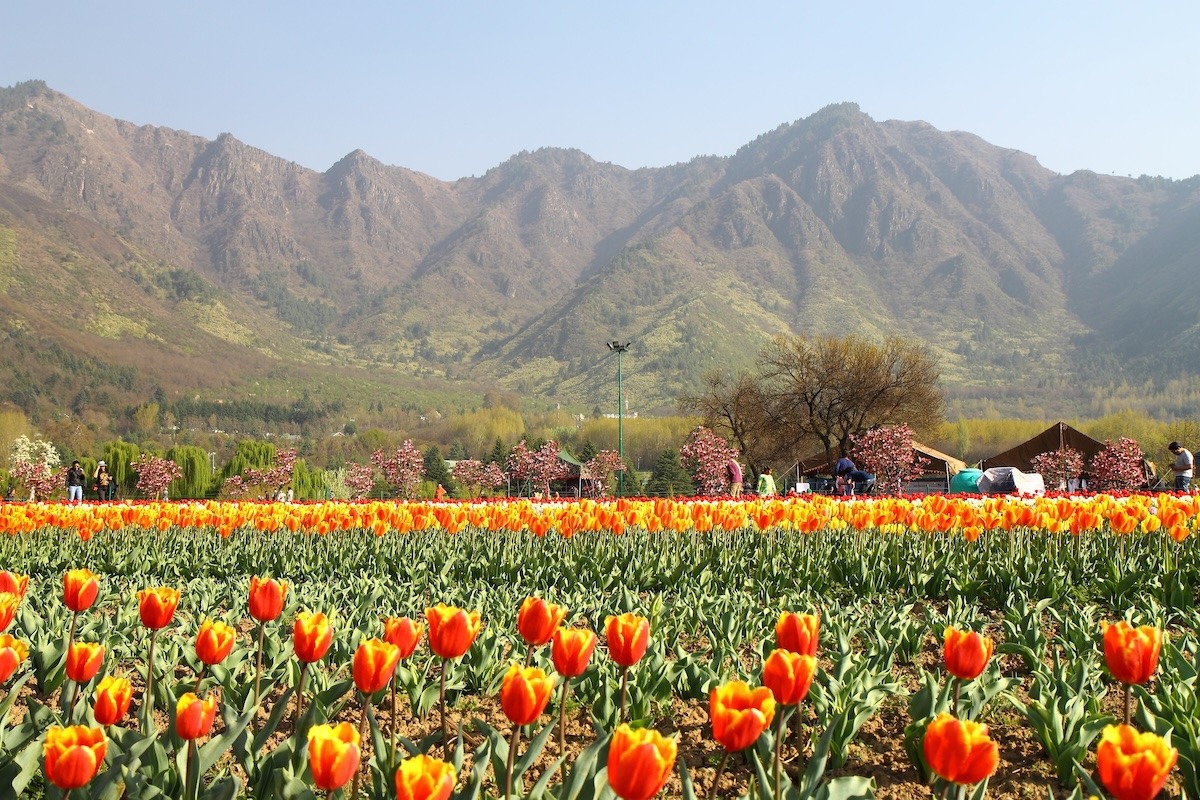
x=847 y=478
x=104 y=485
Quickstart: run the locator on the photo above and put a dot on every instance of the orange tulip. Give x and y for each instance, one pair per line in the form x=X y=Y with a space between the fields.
x=639 y=762
x=739 y=714
x=13 y=583
x=374 y=664
x=157 y=606
x=1132 y=765
x=8 y=608
x=572 y=650
x=960 y=751
x=267 y=598
x=333 y=755
x=84 y=660
x=1131 y=653
x=194 y=717
x=73 y=755
x=525 y=693
x=403 y=632
x=799 y=633
x=80 y=587
x=628 y=637
x=966 y=653
x=452 y=630
x=311 y=636
x=113 y=696
x=538 y=620
x=424 y=778
x=789 y=676
x=12 y=653
x=214 y=641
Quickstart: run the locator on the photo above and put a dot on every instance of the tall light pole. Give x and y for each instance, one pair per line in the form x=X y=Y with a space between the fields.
x=619 y=349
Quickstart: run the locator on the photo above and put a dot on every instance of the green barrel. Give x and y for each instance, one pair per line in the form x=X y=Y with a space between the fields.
x=966 y=481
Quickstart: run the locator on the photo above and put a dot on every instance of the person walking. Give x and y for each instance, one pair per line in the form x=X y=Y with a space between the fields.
x=1184 y=466
x=105 y=485
x=766 y=483
x=734 y=471
x=76 y=479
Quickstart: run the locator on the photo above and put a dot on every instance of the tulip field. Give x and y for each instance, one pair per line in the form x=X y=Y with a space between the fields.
x=823 y=648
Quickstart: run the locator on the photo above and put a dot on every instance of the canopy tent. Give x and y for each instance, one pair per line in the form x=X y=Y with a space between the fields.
x=938 y=463
x=1056 y=437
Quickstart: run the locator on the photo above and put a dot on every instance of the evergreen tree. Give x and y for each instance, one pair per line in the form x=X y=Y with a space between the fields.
x=499 y=454
x=457 y=451
x=669 y=477
x=587 y=452
x=435 y=468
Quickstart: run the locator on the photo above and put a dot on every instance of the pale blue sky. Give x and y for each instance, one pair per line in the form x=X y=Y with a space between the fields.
x=455 y=88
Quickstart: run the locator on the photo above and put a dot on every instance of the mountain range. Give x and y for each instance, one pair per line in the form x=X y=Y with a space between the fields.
x=139 y=259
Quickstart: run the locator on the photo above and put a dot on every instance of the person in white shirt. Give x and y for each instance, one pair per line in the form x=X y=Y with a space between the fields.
x=1183 y=467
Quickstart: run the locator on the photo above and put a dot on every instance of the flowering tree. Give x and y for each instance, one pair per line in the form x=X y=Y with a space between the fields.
x=1118 y=467
x=358 y=479
x=476 y=475
x=706 y=456
x=537 y=467
x=155 y=474
x=403 y=470
x=602 y=466
x=269 y=481
x=887 y=452
x=32 y=465
x=1059 y=467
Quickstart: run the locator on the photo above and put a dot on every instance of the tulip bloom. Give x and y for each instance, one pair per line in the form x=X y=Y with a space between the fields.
x=13 y=583
x=1131 y=653
x=80 y=587
x=628 y=637
x=403 y=632
x=157 y=606
x=8 y=608
x=266 y=598
x=639 y=762
x=333 y=755
x=73 y=755
x=452 y=630
x=374 y=664
x=214 y=641
x=113 y=696
x=311 y=636
x=572 y=650
x=424 y=778
x=966 y=653
x=84 y=660
x=194 y=717
x=799 y=633
x=739 y=714
x=525 y=693
x=1132 y=765
x=12 y=653
x=960 y=751
x=789 y=676
x=538 y=620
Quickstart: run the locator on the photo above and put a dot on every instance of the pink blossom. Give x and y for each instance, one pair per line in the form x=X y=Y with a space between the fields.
x=1118 y=467
x=403 y=470
x=887 y=452
x=1059 y=467
x=706 y=455
x=155 y=474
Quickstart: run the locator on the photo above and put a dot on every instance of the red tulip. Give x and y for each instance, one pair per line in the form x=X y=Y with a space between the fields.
x=799 y=633
x=113 y=696
x=403 y=632
x=333 y=755
x=311 y=636
x=266 y=598
x=966 y=653
x=80 y=587
x=538 y=620
x=13 y=583
x=739 y=714
x=424 y=778
x=452 y=630
x=194 y=717
x=1131 y=653
x=789 y=676
x=8 y=608
x=73 y=755
x=157 y=606
x=374 y=665
x=525 y=693
x=572 y=650
x=628 y=637
x=639 y=762
x=1132 y=765
x=84 y=660
x=214 y=641
x=960 y=751
x=12 y=653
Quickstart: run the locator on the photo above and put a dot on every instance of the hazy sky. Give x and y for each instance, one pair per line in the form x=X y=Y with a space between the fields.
x=455 y=88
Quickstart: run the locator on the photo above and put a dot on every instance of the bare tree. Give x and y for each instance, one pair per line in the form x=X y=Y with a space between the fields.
x=734 y=407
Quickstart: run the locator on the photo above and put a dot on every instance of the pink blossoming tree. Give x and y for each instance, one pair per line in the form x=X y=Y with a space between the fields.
x=1118 y=467
x=155 y=474
x=403 y=469
x=1059 y=467
x=601 y=467
x=358 y=479
x=706 y=456
x=477 y=476
x=887 y=452
x=537 y=467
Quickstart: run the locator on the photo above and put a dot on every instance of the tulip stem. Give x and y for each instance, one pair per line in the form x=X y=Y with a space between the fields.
x=258 y=662
x=716 y=786
x=957 y=693
x=528 y=655
x=512 y=760
x=199 y=678
x=392 y=754
x=362 y=724
x=68 y=706
x=1128 y=705
x=148 y=699
x=624 y=686
x=442 y=709
x=779 y=729
x=299 y=701
x=562 y=718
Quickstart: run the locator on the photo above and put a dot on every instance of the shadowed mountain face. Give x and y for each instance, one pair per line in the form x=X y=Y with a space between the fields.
x=148 y=257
